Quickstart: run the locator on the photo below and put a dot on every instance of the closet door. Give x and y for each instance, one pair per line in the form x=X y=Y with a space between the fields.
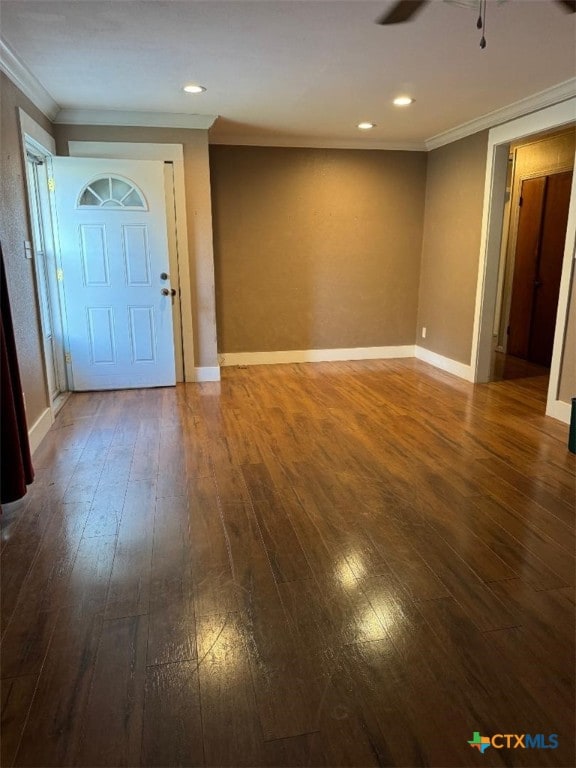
x=549 y=268
x=525 y=265
x=538 y=266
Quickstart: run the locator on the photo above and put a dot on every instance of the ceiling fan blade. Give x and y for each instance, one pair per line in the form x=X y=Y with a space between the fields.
x=402 y=11
x=568 y=5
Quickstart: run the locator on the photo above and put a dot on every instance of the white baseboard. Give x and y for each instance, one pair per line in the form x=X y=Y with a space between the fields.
x=445 y=363
x=314 y=355
x=39 y=429
x=560 y=410
x=207 y=373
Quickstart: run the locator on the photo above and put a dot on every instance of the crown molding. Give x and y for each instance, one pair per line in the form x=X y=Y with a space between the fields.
x=20 y=75
x=29 y=84
x=254 y=140
x=554 y=95
x=133 y=119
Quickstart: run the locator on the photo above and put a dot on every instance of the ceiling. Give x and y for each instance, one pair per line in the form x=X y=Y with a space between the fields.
x=285 y=71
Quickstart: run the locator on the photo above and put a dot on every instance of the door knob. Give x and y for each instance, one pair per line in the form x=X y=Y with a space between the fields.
x=165 y=291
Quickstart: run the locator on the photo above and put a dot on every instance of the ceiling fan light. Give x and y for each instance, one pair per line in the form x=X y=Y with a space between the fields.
x=403 y=101
x=365 y=126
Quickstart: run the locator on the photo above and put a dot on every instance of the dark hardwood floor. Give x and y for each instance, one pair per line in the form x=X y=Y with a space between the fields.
x=340 y=564
x=510 y=367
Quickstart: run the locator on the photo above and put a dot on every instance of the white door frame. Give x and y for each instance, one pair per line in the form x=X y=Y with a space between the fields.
x=36 y=183
x=173 y=153
x=499 y=140
x=34 y=138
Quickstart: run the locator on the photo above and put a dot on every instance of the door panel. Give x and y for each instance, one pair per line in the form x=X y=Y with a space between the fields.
x=549 y=269
x=94 y=256
x=101 y=335
x=525 y=264
x=113 y=243
x=143 y=334
x=136 y=254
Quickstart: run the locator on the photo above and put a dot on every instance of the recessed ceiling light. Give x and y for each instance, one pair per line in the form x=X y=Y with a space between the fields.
x=403 y=101
x=193 y=88
x=366 y=126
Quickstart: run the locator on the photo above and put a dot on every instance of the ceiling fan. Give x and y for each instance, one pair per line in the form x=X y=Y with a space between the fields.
x=406 y=10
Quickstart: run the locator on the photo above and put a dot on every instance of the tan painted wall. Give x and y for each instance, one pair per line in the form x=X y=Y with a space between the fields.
x=315 y=248
x=198 y=212
x=14 y=230
x=451 y=246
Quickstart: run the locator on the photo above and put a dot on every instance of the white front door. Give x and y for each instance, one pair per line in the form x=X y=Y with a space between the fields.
x=111 y=223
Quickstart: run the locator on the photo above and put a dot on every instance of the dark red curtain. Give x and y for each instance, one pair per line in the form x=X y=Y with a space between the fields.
x=17 y=470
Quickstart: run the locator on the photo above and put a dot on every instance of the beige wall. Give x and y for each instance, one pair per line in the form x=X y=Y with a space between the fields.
x=198 y=213
x=315 y=248
x=451 y=246
x=14 y=230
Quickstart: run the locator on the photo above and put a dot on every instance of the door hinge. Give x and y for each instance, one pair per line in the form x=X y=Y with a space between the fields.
x=51 y=184
x=59 y=275
x=68 y=357
x=521 y=201
x=508 y=331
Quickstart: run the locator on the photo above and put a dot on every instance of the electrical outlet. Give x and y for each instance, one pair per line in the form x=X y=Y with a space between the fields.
x=423 y=331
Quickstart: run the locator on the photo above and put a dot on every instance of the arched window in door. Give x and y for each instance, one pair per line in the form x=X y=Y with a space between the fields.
x=112 y=192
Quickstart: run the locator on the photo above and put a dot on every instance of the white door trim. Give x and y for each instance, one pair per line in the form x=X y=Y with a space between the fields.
x=174 y=153
x=35 y=132
x=494 y=191
x=33 y=136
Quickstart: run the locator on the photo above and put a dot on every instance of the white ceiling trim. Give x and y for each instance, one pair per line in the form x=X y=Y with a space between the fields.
x=554 y=95
x=127 y=118
x=314 y=143
x=28 y=83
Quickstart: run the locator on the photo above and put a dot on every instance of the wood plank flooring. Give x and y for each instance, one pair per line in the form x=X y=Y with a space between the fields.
x=339 y=564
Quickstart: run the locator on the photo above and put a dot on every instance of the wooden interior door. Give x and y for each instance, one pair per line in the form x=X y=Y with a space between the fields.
x=549 y=268
x=538 y=266
x=525 y=265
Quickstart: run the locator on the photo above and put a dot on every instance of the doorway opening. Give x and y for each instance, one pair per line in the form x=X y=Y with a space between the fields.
x=57 y=325
x=491 y=272
x=538 y=188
